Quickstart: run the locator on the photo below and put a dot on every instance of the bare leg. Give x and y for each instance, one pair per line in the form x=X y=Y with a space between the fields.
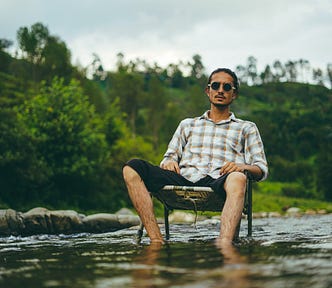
x=142 y=202
x=232 y=211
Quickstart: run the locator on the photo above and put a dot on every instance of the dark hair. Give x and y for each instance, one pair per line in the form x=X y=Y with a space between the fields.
x=230 y=72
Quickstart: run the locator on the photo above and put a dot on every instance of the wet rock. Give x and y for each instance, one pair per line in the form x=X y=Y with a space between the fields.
x=66 y=221
x=293 y=212
x=310 y=212
x=322 y=212
x=43 y=221
x=181 y=217
x=260 y=215
x=274 y=215
x=37 y=221
x=104 y=222
x=125 y=211
x=11 y=222
x=212 y=222
x=128 y=220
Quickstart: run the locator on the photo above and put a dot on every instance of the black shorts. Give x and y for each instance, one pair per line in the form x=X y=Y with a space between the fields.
x=155 y=178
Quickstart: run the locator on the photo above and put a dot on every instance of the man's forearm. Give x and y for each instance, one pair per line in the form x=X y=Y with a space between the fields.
x=254 y=170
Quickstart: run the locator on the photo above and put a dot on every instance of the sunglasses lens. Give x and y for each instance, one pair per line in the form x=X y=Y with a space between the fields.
x=215 y=85
x=227 y=87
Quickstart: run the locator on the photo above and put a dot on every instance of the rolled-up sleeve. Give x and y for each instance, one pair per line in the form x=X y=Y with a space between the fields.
x=254 y=150
x=175 y=146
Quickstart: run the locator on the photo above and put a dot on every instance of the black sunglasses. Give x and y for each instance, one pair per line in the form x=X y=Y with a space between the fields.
x=226 y=86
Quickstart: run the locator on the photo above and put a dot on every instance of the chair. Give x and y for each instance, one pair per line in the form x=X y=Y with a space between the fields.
x=197 y=199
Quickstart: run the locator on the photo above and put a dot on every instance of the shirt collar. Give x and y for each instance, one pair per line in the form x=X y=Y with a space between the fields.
x=230 y=118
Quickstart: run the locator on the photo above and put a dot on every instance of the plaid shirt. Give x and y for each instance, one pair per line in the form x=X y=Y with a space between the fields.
x=201 y=147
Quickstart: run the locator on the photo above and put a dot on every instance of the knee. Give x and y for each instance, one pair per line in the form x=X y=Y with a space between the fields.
x=129 y=174
x=238 y=177
x=236 y=184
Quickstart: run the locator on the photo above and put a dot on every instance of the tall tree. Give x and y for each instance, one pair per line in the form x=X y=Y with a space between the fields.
x=242 y=74
x=291 y=71
x=318 y=76
x=329 y=73
x=197 y=67
x=267 y=75
x=279 y=71
x=56 y=60
x=252 y=69
x=304 y=67
x=32 y=41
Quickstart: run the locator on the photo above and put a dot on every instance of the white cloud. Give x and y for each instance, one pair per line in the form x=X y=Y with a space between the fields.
x=224 y=33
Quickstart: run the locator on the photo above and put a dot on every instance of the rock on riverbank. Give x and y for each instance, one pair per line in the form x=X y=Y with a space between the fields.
x=43 y=221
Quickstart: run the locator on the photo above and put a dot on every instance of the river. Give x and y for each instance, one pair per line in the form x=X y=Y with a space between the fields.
x=283 y=252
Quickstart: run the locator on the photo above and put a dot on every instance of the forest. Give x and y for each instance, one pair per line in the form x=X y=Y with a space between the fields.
x=67 y=130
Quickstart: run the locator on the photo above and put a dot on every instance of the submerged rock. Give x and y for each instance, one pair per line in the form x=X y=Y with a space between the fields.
x=43 y=221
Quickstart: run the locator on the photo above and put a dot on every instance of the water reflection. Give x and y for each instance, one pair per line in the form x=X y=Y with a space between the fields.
x=229 y=269
x=282 y=253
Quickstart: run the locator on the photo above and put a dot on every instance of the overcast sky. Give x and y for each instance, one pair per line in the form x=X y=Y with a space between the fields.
x=223 y=32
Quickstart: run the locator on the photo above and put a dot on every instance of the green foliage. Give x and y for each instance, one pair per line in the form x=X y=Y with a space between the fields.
x=64 y=140
x=66 y=129
x=276 y=203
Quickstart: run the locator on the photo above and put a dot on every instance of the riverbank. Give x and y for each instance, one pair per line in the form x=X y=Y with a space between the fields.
x=43 y=221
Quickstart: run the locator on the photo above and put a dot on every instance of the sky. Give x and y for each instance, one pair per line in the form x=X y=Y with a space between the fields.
x=223 y=33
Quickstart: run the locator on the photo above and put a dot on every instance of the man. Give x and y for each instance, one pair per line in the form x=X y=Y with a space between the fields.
x=211 y=150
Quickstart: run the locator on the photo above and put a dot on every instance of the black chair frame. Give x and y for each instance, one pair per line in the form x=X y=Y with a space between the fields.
x=197 y=199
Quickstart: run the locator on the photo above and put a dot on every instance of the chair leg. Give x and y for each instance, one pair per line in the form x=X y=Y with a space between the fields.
x=249 y=210
x=140 y=233
x=237 y=232
x=166 y=213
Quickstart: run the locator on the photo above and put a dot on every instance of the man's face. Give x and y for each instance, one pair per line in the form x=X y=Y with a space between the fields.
x=219 y=96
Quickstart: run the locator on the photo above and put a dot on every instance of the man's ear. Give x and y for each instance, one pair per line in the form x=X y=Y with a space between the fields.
x=207 y=91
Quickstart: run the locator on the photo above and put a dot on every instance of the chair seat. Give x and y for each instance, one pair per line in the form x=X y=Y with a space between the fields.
x=190 y=198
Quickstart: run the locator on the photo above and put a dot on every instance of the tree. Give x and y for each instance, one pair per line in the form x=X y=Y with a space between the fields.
x=329 y=73
x=5 y=44
x=267 y=76
x=291 y=72
x=5 y=58
x=279 y=71
x=128 y=87
x=56 y=59
x=32 y=41
x=252 y=69
x=68 y=138
x=304 y=67
x=318 y=76
x=242 y=74
x=155 y=104
x=197 y=67
x=175 y=75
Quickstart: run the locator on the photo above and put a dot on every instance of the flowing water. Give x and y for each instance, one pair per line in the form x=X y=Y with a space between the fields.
x=283 y=252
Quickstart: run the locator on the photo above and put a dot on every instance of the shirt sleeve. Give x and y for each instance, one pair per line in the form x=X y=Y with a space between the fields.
x=254 y=150
x=175 y=146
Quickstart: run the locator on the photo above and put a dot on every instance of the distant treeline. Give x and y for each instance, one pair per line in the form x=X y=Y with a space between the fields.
x=65 y=136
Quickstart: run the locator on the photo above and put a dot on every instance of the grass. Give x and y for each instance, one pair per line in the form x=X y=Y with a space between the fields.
x=263 y=202
x=268 y=197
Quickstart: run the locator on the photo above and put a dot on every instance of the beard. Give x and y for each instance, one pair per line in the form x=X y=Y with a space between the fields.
x=220 y=105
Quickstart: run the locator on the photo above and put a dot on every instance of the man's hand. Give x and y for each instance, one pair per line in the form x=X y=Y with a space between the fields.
x=232 y=167
x=229 y=167
x=171 y=165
